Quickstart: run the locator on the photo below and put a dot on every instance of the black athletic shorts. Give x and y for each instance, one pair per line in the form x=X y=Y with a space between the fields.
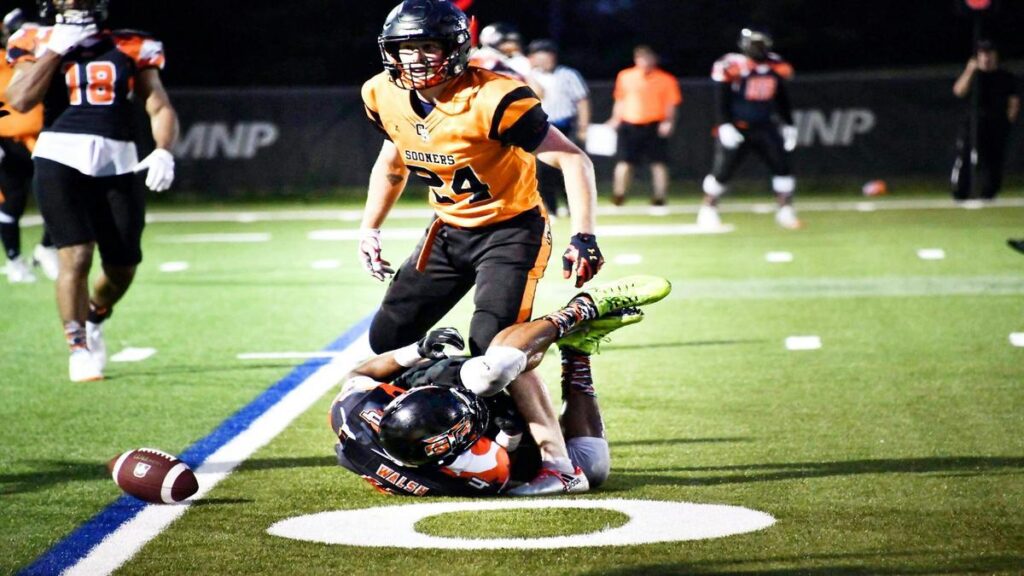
x=15 y=177
x=640 y=143
x=764 y=140
x=503 y=261
x=79 y=209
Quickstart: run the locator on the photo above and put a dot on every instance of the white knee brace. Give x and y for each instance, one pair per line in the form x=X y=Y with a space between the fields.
x=489 y=374
x=783 y=184
x=712 y=187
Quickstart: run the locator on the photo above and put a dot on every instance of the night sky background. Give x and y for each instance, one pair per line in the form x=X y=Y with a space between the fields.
x=234 y=43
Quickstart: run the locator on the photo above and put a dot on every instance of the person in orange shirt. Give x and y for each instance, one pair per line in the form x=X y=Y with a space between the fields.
x=646 y=99
x=18 y=133
x=471 y=135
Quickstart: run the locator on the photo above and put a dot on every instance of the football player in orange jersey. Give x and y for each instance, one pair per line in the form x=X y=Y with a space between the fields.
x=18 y=133
x=754 y=115
x=88 y=80
x=471 y=136
x=415 y=421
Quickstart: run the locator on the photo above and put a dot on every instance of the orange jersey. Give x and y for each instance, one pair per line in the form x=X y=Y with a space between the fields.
x=646 y=96
x=24 y=127
x=472 y=150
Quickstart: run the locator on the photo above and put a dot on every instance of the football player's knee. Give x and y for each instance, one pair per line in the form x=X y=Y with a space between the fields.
x=592 y=456
x=784 y=184
x=712 y=187
x=386 y=334
x=489 y=374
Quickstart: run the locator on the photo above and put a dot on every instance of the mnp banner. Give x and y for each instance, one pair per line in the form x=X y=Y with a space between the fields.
x=859 y=126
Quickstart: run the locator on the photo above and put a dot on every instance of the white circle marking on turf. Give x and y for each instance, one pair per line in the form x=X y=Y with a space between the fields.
x=651 y=521
x=778 y=257
x=1017 y=339
x=803 y=343
x=931 y=254
x=174 y=266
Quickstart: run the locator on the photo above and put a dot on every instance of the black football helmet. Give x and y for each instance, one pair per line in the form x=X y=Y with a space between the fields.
x=436 y=20
x=755 y=43
x=73 y=11
x=432 y=425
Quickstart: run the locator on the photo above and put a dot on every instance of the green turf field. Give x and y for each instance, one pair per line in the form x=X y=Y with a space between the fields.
x=898 y=447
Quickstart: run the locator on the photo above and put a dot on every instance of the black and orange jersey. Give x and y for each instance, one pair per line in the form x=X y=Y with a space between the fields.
x=355 y=415
x=753 y=91
x=93 y=88
x=24 y=127
x=473 y=149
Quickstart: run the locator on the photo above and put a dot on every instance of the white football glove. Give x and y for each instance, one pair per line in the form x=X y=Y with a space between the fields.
x=369 y=253
x=729 y=136
x=160 y=164
x=64 y=37
x=790 y=136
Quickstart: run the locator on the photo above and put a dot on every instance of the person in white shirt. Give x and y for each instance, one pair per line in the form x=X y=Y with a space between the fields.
x=566 y=101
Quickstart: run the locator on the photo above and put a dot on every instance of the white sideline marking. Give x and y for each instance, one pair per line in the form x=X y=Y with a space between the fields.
x=838 y=287
x=763 y=209
x=630 y=231
x=325 y=265
x=803 y=343
x=126 y=541
x=628 y=259
x=866 y=207
x=174 y=266
x=1017 y=339
x=931 y=254
x=133 y=355
x=328 y=215
x=245 y=238
x=650 y=521
x=287 y=355
x=778 y=257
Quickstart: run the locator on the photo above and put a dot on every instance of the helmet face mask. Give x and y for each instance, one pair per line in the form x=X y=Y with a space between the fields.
x=431 y=425
x=79 y=12
x=755 y=43
x=423 y=21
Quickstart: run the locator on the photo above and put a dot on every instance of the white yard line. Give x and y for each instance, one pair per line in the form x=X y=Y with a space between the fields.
x=327 y=215
x=126 y=541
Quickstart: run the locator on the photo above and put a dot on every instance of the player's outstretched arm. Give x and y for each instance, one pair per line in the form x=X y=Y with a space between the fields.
x=583 y=257
x=387 y=366
x=30 y=82
x=164 y=123
x=387 y=181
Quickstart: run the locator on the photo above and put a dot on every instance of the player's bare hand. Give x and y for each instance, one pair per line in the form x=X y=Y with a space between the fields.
x=370 y=254
x=582 y=258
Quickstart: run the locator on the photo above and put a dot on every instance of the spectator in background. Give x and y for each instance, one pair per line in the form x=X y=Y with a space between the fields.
x=998 y=108
x=568 y=107
x=18 y=133
x=646 y=98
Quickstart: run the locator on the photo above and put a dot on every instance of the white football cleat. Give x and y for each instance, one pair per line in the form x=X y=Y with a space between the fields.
x=94 y=340
x=19 y=272
x=46 y=258
x=707 y=218
x=82 y=367
x=786 y=217
x=550 y=481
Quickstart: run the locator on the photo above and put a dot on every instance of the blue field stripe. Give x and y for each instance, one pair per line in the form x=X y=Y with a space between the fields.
x=77 y=545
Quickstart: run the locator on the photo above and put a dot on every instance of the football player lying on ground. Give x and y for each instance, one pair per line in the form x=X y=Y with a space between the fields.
x=414 y=421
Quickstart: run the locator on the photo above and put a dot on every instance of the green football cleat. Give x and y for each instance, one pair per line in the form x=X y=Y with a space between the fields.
x=587 y=337
x=627 y=292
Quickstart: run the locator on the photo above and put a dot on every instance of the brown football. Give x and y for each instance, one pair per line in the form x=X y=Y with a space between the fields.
x=153 y=475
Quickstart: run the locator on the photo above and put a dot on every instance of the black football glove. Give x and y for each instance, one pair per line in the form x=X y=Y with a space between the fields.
x=582 y=257
x=432 y=345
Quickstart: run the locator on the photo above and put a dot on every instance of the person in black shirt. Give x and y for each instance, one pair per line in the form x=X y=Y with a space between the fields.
x=998 y=107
